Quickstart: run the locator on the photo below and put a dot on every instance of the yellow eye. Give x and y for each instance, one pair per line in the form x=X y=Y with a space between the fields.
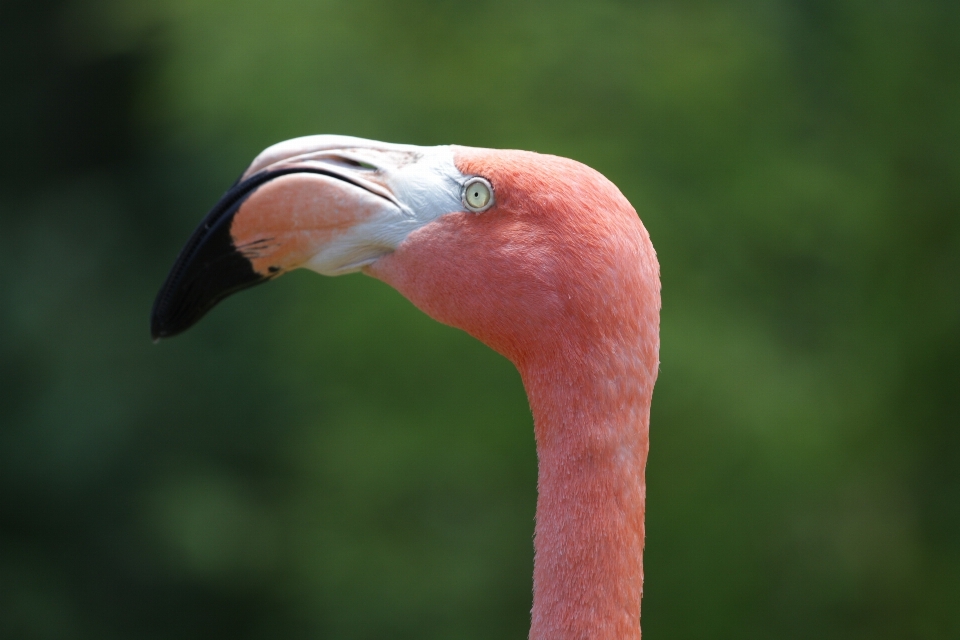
x=477 y=195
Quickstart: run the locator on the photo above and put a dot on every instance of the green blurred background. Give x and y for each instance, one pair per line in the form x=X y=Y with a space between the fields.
x=318 y=459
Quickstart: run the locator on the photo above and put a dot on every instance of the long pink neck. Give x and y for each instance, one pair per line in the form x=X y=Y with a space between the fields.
x=591 y=418
x=561 y=278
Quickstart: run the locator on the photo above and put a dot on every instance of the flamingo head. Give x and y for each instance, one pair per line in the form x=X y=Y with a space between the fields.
x=507 y=245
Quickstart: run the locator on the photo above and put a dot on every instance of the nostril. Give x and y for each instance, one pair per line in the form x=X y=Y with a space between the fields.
x=350 y=162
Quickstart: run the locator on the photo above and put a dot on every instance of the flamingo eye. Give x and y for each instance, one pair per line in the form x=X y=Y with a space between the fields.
x=477 y=195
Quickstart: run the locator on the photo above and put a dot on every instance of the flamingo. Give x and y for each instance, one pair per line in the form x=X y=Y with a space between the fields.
x=541 y=258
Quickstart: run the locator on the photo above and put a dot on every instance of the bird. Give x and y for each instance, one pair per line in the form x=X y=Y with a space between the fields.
x=539 y=257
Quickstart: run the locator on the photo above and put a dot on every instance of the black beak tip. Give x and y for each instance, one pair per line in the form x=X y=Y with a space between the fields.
x=155 y=331
x=159 y=328
x=208 y=269
x=196 y=285
x=173 y=314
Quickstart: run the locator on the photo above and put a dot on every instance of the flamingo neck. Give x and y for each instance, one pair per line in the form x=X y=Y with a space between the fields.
x=591 y=417
x=561 y=278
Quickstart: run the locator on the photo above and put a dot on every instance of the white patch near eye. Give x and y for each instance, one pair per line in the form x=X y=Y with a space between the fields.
x=477 y=194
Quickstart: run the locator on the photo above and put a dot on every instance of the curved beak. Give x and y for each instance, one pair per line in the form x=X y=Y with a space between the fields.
x=328 y=203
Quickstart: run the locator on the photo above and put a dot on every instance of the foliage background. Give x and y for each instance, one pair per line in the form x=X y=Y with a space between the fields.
x=317 y=459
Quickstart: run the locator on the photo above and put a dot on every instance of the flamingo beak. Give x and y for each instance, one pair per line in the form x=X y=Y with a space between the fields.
x=327 y=203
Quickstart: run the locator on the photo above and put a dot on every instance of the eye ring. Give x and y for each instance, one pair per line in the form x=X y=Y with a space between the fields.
x=477 y=194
